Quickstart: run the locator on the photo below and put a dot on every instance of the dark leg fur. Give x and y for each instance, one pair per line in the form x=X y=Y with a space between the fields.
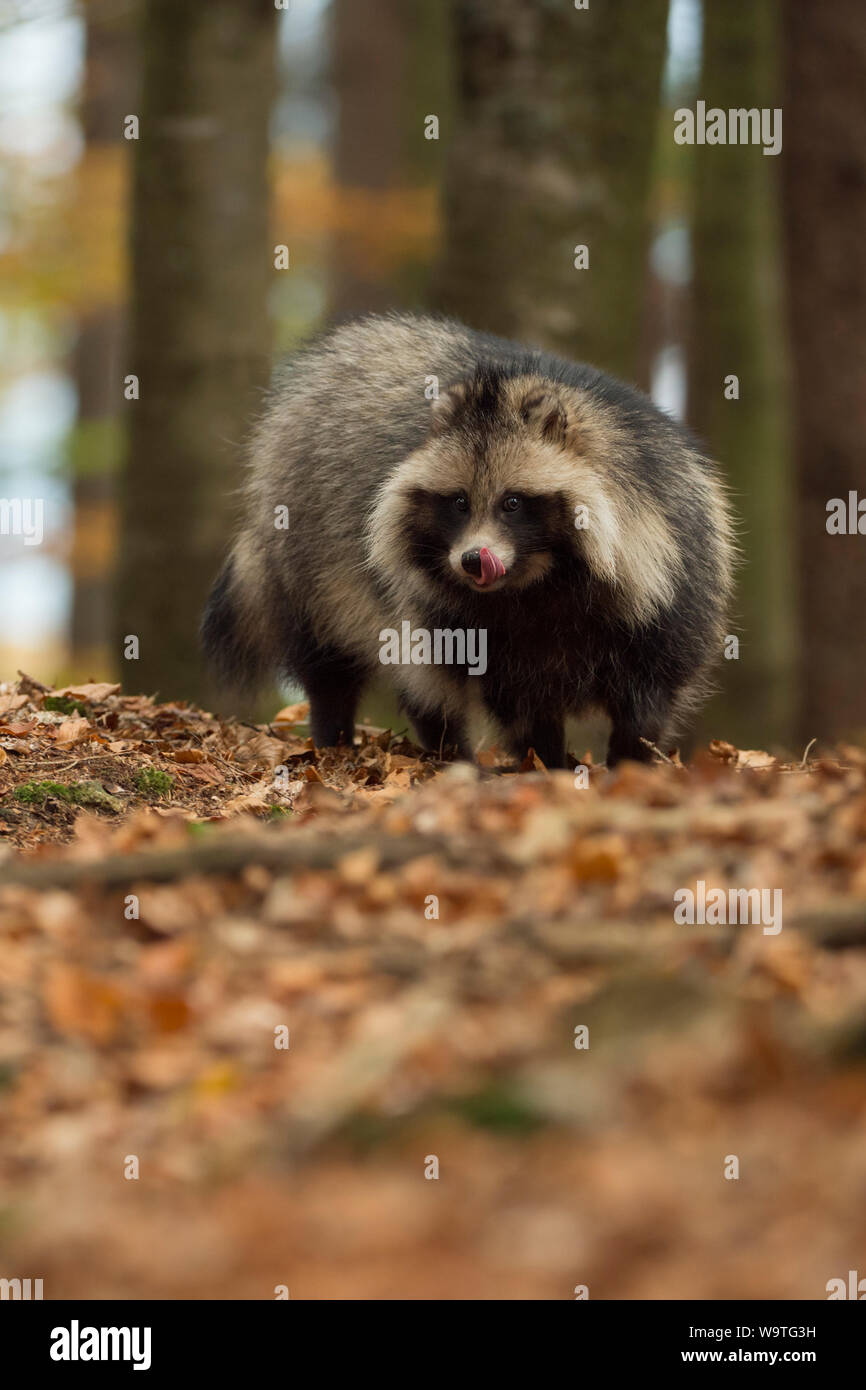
x=440 y=735
x=625 y=744
x=333 y=686
x=545 y=734
x=634 y=720
x=525 y=726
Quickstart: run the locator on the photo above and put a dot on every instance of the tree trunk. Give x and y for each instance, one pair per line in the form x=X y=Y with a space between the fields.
x=389 y=71
x=736 y=330
x=202 y=258
x=109 y=95
x=551 y=149
x=824 y=180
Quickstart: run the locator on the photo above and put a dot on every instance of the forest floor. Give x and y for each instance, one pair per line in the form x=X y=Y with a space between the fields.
x=363 y=1025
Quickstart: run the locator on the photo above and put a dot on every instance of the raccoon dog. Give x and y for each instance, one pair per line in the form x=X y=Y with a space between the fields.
x=437 y=477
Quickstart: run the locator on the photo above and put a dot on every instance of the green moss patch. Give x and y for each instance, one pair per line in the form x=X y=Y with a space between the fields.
x=74 y=793
x=62 y=704
x=152 y=781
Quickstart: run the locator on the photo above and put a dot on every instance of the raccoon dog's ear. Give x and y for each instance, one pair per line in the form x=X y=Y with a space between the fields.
x=444 y=409
x=542 y=411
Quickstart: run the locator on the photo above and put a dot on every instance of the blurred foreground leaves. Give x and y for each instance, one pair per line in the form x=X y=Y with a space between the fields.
x=427 y=940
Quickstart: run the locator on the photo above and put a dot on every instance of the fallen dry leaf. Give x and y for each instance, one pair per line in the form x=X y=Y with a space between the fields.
x=293 y=714
x=755 y=758
x=205 y=772
x=10 y=703
x=73 y=730
x=725 y=751
x=82 y=1005
x=260 y=751
x=93 y=693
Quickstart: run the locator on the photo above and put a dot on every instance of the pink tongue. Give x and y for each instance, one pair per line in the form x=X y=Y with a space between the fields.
x=491 y=566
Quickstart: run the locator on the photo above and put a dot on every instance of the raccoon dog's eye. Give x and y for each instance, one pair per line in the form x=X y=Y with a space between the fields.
x=461 y=502
x=512 y=504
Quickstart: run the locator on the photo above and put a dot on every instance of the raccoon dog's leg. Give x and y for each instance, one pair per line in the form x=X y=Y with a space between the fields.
x=636 y=717
x=439 y=732
x=333 y=683
x=539 y=728
x=545 y=733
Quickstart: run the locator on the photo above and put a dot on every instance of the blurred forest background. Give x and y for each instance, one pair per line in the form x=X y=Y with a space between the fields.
x=306 y=125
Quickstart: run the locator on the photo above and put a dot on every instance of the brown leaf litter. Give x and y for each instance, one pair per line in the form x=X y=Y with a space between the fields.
x=296 y=981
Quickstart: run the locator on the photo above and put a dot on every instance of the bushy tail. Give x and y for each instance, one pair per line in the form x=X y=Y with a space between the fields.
x=230 y=635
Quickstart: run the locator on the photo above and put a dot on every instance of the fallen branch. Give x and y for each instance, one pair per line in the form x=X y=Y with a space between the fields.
x=300 y=849
x=836 y=928
x=231 y=854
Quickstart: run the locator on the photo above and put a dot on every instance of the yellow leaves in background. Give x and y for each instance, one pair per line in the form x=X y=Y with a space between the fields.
x=69 y=250
x=378 y=228
x=70 y=247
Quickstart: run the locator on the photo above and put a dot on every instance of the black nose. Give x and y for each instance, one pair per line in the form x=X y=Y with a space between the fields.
x=471 y=562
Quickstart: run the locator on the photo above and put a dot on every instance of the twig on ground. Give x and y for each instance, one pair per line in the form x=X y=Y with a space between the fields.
x=663 y=756
x=30 y=685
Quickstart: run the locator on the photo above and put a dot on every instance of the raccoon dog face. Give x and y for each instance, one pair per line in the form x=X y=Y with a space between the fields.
x=482 y=506
x=483 y=537
x=517 y=475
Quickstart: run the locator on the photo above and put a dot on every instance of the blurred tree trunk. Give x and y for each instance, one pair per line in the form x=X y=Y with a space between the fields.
x=202 y=260
x=552 y=148
x=824 y=169
x=109 y=95
x=369 y=46
x=736 y=330
x=389 y=70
